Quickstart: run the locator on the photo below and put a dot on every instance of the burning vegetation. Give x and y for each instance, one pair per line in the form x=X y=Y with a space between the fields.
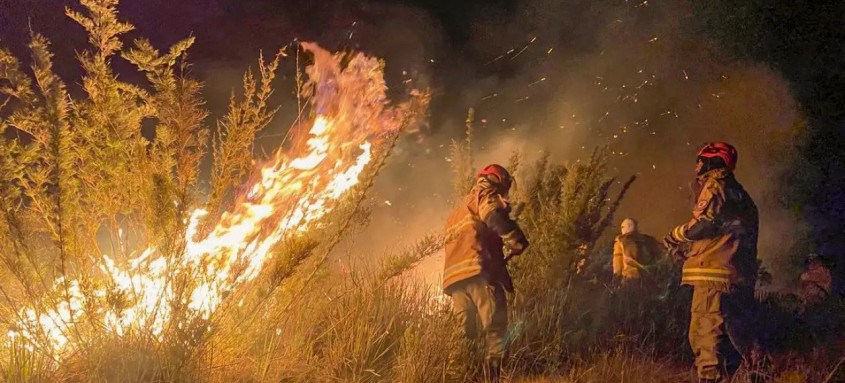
x=79 y=178
x=118 y=267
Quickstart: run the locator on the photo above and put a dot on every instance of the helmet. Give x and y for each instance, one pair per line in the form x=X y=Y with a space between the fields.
x=498 y=174
x=722 y=150
x=628 y=225
x=816 y=257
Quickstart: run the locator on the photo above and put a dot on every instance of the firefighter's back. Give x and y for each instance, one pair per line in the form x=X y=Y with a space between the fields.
x=463 y=252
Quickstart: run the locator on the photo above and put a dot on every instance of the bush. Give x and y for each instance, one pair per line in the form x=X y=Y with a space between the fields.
x=78 y=167
x=79 y=180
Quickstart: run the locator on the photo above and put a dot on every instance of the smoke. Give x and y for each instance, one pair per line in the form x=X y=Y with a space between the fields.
x=542 y=75
x=566 y=78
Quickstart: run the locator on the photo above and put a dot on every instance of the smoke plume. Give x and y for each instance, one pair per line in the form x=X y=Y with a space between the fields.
x=563 y=77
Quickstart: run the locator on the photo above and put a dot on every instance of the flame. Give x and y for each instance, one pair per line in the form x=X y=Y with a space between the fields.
x=290 y=194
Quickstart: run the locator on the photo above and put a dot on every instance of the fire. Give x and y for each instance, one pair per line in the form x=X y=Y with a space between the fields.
x=296 y=188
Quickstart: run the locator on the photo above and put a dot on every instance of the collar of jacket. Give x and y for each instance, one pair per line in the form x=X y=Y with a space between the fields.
x=634 y=233
x=485 y=183
x=716 y=174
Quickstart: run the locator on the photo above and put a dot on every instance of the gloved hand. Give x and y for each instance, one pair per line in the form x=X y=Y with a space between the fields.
x=516 y=248
x=674 y=249
x=670 y=243
x=515 y=242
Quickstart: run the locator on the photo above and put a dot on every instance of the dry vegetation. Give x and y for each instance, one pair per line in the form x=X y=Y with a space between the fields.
x=75 y=168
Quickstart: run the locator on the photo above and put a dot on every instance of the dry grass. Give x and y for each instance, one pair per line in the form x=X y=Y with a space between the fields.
x=297 y=322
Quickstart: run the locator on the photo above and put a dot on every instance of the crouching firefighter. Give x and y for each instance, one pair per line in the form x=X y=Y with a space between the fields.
x=478 y=233
x=721 y=266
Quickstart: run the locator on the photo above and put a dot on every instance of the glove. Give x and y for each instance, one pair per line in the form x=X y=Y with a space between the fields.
x=511 y=252
x=515 y=242
x=671 y=243
x=675 y=250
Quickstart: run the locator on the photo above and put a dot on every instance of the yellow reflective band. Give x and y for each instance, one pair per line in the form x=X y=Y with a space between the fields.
x=678 y=233
x=485 y=209
x=706 y=270
x=452 y=231
x=703 y=278
x=468 y=220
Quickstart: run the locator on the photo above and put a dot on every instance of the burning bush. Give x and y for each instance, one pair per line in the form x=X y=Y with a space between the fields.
x=235 y=288
x=80 y=180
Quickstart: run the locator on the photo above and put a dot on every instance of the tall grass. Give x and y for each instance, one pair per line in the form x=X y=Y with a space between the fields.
x=359 y=328
x=82 y=170
x=76 y=169
x=21 y=364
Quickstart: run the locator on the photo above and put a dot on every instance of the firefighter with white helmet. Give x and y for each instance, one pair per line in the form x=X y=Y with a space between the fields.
x=633 y=252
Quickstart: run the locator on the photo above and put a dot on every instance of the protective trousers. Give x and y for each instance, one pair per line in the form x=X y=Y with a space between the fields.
x=474 y=299
x=722 y=330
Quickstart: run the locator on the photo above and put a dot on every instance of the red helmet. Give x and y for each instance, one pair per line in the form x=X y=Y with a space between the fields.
x=501 y=175
x=720 y=149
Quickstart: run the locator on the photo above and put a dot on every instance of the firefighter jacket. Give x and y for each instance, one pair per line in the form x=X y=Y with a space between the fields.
x=476 y=232
x=633 y=253
x=722 y=235
x=816 y=283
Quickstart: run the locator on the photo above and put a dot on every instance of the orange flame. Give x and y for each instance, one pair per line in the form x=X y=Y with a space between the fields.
x=290 y=193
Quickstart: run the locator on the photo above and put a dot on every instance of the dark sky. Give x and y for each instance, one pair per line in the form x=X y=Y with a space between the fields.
x=651 y=79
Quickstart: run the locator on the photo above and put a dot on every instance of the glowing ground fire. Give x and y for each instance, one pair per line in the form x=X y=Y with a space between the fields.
x=296 y=188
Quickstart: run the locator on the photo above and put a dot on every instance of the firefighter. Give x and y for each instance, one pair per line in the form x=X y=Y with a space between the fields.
x=816 y=281
x=720 y=264
x=478 y=234
x=633 y=252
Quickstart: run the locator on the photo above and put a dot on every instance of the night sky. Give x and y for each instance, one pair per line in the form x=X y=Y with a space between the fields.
x=652 y=79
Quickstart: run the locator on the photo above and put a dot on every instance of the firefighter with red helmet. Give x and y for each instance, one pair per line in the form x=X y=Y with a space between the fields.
x=478 y=233
x=720 y=264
